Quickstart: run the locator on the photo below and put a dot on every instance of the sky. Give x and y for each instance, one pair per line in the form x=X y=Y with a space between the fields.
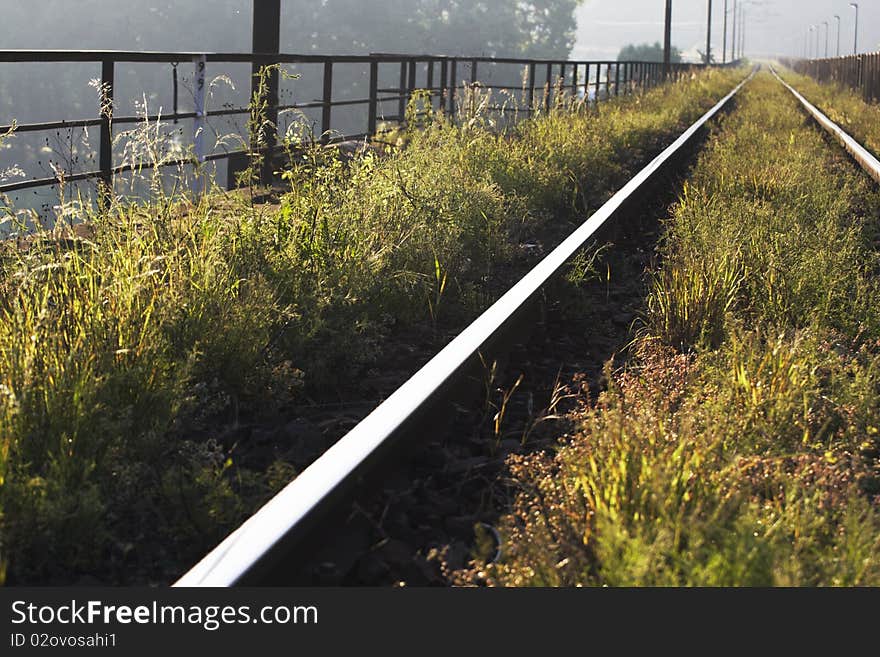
x=773 y=27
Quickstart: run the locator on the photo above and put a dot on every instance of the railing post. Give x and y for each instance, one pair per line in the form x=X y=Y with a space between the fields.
x=266 y=40
x=105 y=146
x=411 y=81
x=200 y=64
x=587 y=83
x=373 y=110
x=444 y=84
x=607 y=79
x=327 y=99
x=453 y=87
x=531 y=91
x=430 y=82
x=548 y=94
x=401 y=103
x=617 y=79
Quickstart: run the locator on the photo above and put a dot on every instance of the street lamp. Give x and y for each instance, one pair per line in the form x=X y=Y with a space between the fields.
x=855 y=5
x=825 y=23
x=810 y=43
x=838 y=34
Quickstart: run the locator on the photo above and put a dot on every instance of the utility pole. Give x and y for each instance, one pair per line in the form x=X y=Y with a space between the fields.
x=667 y=41
x=724 y=47
x=733 y=39
x=855 y=5
x=709 y=36
x=742 y=30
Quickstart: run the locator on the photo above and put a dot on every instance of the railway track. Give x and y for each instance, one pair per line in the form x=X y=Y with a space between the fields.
x=304 y=517
x=859 y=153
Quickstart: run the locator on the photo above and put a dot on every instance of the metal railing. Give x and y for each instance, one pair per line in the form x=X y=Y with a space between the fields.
x=859 y=72
x=445 y=78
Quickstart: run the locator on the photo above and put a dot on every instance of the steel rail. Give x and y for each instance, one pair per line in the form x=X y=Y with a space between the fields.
x=286 y=520
x=859 y=153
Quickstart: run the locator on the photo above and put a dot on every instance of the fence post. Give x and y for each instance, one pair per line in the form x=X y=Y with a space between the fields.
x=429 y=82
x=105 y=147
x=548 y=94
x=326 y=107
x=617 y=79
x=444 y=83
x=587 y=83
x=200 y=63
x=401 y=102
x=861 y=74
x=411 y=81
x=531 y=87
x=266 y=39
x=374 y=99
x=453 y=86
x=607 y=79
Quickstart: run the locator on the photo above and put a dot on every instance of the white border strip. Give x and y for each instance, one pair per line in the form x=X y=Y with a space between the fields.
x=242 y=549
x=862 y=155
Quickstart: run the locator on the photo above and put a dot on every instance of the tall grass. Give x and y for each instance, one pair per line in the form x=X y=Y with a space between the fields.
x=740 y=444
x=128 y=358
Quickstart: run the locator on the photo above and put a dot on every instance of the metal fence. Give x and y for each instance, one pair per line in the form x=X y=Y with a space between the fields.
x=443 y=78
x=859 y=72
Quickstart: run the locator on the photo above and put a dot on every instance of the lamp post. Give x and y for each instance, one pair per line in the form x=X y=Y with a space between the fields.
x=855 y=5
x=810 y=42
x=836 y=16
x=825 y=23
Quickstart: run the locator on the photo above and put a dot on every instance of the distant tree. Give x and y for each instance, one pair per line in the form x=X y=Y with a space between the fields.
x=540 y=28
x=647 y=52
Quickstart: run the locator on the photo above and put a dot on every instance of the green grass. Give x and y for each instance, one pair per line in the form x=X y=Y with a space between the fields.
x=126 y=356
x=739 y=446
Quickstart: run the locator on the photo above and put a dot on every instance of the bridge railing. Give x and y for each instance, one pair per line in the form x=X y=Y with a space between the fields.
x=443 y=78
